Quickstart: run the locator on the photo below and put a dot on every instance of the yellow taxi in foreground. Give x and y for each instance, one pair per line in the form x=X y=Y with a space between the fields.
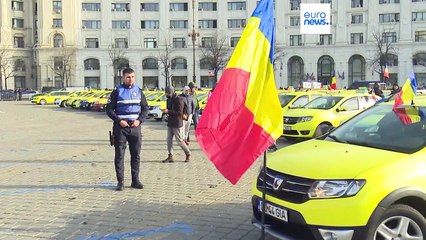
x=50 y=97
x=365 y=180
x=323 y=113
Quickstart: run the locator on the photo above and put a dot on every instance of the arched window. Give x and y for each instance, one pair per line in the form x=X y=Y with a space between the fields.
x=205 y=64
x=356 y=69
x=58 y=41
x=295 y=71
x=119 y=65
x=19 y=65
x=91 y=64
x=179 y=63
x=150 y=63
x=391 y=60
x=325 y=67
x=419 y=59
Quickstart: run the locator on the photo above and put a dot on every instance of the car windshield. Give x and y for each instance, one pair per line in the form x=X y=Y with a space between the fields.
x=326 y=102
x=285 y=99
x=152 y=97
x=402 y=130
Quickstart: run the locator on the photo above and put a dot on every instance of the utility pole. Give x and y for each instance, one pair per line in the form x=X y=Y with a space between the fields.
x=193 y=36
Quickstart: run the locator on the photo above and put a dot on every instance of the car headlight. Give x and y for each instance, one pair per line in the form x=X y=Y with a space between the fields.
x=305 y=119
x=335 y=188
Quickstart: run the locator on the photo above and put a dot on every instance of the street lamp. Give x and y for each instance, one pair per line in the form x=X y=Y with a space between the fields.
x=193 y=36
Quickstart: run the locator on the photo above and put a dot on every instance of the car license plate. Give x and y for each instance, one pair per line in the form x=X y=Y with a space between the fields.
x=287 y=127
x=273 y=211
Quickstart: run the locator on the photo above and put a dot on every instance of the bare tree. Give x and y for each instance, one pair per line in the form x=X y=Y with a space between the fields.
x=215 y=53
x=63 y=64
x=384 y=50
x=165 y=60
x=7 y=67
x=119 y=61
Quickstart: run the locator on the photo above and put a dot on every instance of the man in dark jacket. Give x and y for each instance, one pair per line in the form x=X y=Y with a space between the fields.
x=175 y=129
x=128 y=108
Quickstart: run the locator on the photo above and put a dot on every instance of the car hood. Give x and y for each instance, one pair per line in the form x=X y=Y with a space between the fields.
x=319 y=159
x=302 y=112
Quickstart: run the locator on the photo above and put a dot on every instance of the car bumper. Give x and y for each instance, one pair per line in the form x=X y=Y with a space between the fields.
x=300 y=130
x=155 y=113
x=296 y=227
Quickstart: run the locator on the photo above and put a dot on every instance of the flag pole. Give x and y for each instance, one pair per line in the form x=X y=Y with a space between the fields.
x=263 y=196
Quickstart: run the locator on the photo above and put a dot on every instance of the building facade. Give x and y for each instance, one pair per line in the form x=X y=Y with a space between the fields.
x=59 y=43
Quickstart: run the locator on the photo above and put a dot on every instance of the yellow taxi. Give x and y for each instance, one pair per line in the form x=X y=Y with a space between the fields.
x=156 y=102
x=61 y=101
x=50 y=97
x=70 y=100
x=324 y=113
x=77 y=102
x=88 y=102
x=365 y=180
x=291 y=99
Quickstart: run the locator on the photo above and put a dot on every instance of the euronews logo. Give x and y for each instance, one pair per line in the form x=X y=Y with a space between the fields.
x=315 y=18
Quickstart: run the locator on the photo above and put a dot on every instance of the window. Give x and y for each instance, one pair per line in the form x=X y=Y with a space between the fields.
x=205 y=64
x=19 y=65
x=17 y=23
x=178 y=7
x=18 y=42
x=207 y=6
x=91 y=7
x=388 y=1
x=325 y=68
x=150 y=24
x=236 y=23
x=420 y=36
x=357 y=3
x=356 y=69
x=178 y=23
x=421 y=80
x=326 y=39
x=17 y=6
x=57 y=23
x=91 y=64
x=179 y=63
x=92 y=24
x=419 y=59
x=150 y=82
x=57 y=6
x=150 y=42
x=150 y=63
x=295 y=4
x=295 y=71
x=179 y=43
x=19 y=81
x=150 y=7
x=418 y=16
x=300 y=102
x=357 y=38
x=58 y=62
x=294 y=21
x=121 y=24
x=351 y=104
x=234 y=41
x=206 y=41
x=295 y=40
x=207 y=24
x=120 y=7
x=92 y=43
x=236 y=6
x=58 y=41
x=121 y=43
x=391 y=60
x=389 y=37
x=179 y=81
x=357 y=19
x=389 y=17
x=92 y=82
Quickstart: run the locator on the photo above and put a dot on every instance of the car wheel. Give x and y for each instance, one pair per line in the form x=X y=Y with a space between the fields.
x=42 y=102
x=62 y=104
x=322 y=129
x=399 y=222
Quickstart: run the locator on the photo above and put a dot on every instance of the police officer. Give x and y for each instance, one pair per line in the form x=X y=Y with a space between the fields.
x=128 y=108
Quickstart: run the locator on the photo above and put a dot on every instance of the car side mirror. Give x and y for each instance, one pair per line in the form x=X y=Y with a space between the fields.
x=341 y=109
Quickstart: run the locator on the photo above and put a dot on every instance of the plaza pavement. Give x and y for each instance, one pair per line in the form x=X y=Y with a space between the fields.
x=57 y=181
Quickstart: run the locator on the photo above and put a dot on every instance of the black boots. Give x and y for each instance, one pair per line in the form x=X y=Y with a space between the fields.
x=119 y=186
x=169 y=159
x=137 y=185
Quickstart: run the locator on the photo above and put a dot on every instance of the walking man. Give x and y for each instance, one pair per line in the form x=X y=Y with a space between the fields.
x=194 y=96
x=128 y=108
x=175 y=105
x=189 y=111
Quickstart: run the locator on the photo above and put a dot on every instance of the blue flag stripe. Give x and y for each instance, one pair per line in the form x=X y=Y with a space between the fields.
x=265 y=11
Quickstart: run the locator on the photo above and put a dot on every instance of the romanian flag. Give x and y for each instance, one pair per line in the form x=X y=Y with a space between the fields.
x=406 y=97
x=243 y=117
x=386 y=72
x=333 y=81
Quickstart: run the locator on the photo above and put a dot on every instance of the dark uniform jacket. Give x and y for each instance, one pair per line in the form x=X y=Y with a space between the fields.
x=112 y=106
x=175 y=108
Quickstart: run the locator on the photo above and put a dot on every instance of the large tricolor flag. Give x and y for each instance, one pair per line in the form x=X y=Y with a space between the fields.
x=243 y=116
x=408 y=115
